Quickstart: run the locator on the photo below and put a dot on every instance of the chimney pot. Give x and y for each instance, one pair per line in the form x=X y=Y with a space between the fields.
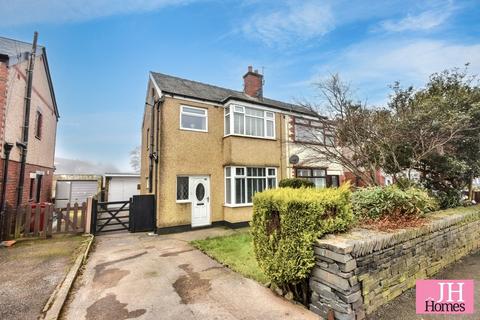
x=250 y=68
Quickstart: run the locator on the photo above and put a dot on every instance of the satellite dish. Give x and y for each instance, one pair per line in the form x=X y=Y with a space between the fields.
x=294 y=159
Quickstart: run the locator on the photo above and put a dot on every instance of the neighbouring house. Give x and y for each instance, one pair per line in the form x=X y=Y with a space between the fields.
x=207 y=150
x=39 y=168
x=120 y=186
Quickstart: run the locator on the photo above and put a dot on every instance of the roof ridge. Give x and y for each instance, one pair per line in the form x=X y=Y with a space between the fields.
x=24 y=42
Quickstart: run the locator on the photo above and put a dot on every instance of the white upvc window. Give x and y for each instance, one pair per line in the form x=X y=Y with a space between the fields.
x=241 y=183
x=245 y=121
x=194 y=119
x=183 y=194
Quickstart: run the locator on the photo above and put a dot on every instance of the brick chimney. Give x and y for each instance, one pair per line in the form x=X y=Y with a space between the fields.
x=253 y=83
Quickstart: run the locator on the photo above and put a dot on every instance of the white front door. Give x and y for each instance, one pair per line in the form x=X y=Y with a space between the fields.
x=200 y=195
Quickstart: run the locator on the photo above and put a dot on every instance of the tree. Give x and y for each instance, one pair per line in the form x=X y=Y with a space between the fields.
x=353 y=128
x=441 y=132
x=135 y=159
x=434 y=130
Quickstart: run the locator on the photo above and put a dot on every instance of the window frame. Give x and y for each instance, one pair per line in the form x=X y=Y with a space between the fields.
x=233 y=177
x=38 y=125
x=182 y=112
x=188 y=200
x=232 y=109
x=313 y=124
x=327 y=177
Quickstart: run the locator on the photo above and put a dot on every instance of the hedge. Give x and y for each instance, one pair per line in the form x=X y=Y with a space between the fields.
x=296 y=183
x=392 y=201
x=285 y=224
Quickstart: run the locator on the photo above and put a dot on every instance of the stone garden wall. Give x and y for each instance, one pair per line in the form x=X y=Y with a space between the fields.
x=361 y=270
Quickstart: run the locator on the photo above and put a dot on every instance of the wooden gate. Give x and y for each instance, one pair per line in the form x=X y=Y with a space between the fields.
x=110 y=216
x=134 y=215
x=43 y=220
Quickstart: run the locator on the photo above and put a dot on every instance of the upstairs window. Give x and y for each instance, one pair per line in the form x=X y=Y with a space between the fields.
x=314 y=132
x=38 y=125
x=194 y=119
x=251 y=122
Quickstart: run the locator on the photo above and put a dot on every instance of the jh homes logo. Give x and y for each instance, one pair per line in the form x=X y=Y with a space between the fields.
x=444 y=297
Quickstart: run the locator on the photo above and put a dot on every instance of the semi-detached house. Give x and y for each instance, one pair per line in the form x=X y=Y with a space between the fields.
x=207 y=150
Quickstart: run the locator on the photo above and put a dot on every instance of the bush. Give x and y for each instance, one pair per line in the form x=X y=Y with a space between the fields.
x=391 y=201
x=449 y=198
x=285 y=224
x=296 y=183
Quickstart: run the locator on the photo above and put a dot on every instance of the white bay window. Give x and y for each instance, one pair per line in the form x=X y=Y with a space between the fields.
x=241 y=183
x=251 y=122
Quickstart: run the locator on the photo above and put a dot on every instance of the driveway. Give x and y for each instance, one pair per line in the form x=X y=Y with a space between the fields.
x=137 y=276
x=29 y=272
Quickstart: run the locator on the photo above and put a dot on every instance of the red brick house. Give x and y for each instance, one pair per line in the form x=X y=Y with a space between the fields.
x=39 y=165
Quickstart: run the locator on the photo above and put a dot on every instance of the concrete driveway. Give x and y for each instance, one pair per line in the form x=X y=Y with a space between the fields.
x=136 y=276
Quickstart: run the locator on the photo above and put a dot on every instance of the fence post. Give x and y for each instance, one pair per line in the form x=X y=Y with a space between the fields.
x=18 y=221
x=90 y=219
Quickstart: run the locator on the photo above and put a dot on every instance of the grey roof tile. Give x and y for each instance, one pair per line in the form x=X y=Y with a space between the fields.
x=203 y=91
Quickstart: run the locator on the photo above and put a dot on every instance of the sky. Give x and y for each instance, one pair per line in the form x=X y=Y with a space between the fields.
x=100 y=53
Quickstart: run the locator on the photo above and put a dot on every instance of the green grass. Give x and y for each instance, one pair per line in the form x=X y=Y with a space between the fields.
x=234 y=251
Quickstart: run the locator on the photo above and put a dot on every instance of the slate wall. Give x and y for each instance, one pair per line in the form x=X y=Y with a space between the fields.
x=359 y=271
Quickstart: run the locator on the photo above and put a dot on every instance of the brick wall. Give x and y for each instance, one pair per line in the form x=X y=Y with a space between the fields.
x=12 y=182
x=359 y=271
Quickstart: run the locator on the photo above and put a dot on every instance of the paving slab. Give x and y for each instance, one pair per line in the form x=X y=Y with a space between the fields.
x=137 y=276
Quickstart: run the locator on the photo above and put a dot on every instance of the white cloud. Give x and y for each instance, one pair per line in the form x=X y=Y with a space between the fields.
x=291 y=22
x=19 y=12
x=373 y=65
x=424 y=21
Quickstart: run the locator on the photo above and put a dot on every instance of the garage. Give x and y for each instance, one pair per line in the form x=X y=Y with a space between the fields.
x=121 y=186
x=73 y=191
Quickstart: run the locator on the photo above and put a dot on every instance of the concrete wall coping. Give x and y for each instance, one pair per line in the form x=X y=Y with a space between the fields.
x=359 y=241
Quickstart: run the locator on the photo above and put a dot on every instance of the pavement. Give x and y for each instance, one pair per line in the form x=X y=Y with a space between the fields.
x=403 y=307
x=137 y=276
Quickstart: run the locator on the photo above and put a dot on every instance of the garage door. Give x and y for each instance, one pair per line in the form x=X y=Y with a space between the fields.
x=74 y=191
x=122 y=189
x=81 y=190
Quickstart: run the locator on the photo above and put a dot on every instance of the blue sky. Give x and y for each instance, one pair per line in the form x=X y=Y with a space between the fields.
x=100 y=52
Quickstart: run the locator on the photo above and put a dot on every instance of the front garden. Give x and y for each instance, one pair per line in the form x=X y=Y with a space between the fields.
x=277 y=251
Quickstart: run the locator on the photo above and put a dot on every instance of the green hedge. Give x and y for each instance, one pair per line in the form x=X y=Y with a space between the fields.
x=296 y=183
x=380 y=202
x=285 y=224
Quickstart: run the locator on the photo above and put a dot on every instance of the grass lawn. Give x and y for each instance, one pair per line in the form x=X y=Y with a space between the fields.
x=234 y=251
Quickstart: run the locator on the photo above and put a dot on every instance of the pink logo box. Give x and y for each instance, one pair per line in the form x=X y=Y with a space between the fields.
x=444 y=297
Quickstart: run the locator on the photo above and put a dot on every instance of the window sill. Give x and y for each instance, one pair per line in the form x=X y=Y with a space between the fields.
x=195 y=130
x=252 y=137
x=183 y=201
x=238 y=205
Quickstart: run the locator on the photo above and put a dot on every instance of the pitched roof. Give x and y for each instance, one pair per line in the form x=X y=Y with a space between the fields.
x=207 y=92
x=18 y=51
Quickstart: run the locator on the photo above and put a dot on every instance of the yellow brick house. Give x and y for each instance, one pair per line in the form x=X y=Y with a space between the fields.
x=207 y=150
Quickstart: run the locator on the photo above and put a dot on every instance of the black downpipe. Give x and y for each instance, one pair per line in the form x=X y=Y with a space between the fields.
x=26 y=121
x=151 y=154
x=7 y=148
x=157 y=143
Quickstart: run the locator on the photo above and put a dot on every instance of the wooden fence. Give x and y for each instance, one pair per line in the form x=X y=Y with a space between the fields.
x=43 y=220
